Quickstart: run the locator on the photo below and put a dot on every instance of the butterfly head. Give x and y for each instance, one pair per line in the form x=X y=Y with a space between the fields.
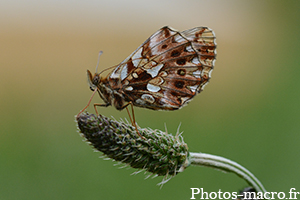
x=99 y=83
x=93 y=80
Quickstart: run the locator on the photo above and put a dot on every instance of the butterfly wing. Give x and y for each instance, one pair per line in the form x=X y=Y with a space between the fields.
x=168 y=69
x=136 y=59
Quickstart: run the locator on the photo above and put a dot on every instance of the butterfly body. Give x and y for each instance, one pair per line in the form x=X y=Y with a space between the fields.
x=164 y=73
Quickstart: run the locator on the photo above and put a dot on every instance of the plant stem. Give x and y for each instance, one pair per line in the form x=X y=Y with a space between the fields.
x=218 y=162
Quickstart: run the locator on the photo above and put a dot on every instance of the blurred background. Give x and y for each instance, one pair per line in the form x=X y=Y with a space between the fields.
x=249 y=112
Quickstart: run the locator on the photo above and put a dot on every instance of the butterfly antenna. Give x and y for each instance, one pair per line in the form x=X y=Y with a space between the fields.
x=100 y=53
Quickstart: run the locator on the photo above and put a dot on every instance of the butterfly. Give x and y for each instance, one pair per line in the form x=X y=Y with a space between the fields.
x=164 y=73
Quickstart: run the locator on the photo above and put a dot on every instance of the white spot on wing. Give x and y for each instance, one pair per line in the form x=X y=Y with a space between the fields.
x=195 y=60
x=124 y=72
x=140 y=101
x=189 y=49
x=193 y=88
x=148 y=98
x=154 y=70
x=115 y=73
x=152 y=88
x=129 y=88
x=197 y=74
x=136 y=62
x=135 y=75
x=179 y=38
x=136 y=58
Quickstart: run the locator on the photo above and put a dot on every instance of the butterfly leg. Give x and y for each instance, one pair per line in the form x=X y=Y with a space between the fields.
x=96 y=104
x=133 y=118
x=87 y=104
x=99 y=104
x=129 y=115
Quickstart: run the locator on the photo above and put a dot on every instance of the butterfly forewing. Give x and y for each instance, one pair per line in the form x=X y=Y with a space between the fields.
x=167 y=70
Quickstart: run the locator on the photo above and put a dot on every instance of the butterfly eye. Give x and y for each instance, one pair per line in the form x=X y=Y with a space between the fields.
x=96 y=80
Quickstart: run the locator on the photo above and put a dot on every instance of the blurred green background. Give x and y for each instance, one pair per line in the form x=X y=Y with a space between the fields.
x=249 y=112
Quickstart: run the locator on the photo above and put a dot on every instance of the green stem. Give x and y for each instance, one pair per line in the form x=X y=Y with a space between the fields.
x=218 y=162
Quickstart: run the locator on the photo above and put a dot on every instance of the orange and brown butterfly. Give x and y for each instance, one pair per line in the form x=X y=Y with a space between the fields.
x=164 y=73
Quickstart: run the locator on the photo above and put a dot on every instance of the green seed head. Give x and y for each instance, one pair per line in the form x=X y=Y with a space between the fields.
x=159 y=153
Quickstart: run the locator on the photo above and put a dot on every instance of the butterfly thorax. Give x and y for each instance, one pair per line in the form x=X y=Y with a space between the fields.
x=109 y=96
